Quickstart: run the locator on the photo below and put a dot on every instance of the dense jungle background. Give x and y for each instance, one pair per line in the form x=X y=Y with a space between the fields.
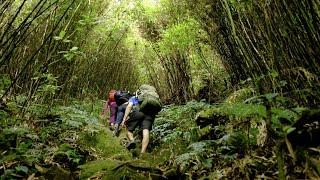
x=238 y=79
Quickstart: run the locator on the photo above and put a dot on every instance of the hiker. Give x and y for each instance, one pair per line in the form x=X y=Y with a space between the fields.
x=112 y=105
x=141 y=111
x=121 y=99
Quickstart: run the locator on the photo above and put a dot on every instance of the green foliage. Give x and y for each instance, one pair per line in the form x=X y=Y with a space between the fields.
x=35 y=141
x=65 y=150
x=238 y=132
x=4 y=82
x=21 y=169
x=3 y=114
x=240 y=96
x=235 y=111
x=180 y=47
x=197 y=158
x=11 y=137
x=243 y=110
x=172 y=136
x=232 y=143
x=69 y=55
x=180 y=37
x=62 y=34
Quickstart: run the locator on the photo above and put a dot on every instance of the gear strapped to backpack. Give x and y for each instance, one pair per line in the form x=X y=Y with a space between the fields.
x=149 y=98
x=121 y=97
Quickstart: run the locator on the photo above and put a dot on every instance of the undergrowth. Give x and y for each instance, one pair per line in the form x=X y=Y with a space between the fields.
x=231 y=140
x=196 y=140
x=37 y=142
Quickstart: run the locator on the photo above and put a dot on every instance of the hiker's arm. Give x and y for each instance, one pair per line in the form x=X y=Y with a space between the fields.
x=126 y=113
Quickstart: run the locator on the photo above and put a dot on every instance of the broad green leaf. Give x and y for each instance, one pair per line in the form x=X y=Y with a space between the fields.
x=22 y=169
x=62 y=34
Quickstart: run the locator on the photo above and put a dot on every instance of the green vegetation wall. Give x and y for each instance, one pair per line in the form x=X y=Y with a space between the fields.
x=274 y=43
x=178 y=59
x=61 y=49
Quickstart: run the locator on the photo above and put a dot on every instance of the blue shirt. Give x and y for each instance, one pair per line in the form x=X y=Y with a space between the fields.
x=135 y=103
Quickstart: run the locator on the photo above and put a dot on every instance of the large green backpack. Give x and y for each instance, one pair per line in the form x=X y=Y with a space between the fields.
x=149 y=98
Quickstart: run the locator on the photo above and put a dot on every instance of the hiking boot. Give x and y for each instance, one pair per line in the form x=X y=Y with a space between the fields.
x=131 y=145
x=116 y=130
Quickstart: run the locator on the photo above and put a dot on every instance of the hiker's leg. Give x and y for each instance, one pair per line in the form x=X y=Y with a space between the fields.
x=130 y=135
x=120 y=114
x=146 y=126
x=131 y=144
x=145 y=140
x=113 y=113
x=131 y=124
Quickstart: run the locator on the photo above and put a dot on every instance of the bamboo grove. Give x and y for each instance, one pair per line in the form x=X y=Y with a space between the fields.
x=42 y=44
x=275 y=44
x=66 y=48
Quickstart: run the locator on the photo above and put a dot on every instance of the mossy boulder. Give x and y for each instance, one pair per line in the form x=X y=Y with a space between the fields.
x=105 y=144
x=114 y=169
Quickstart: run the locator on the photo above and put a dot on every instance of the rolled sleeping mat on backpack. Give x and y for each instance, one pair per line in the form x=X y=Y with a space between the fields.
x=146 y=91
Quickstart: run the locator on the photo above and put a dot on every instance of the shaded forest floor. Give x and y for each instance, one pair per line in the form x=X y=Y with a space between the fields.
x=196 y=140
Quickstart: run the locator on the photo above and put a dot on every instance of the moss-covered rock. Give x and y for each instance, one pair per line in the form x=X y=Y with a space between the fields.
x=56 y=173
x=104 y=144
x=114 y=169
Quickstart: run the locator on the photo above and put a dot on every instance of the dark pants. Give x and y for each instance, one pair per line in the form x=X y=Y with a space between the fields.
x=120 y=113
x=139 y=119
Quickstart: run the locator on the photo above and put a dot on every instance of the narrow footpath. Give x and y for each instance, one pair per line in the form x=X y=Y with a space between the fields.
x=116 y=161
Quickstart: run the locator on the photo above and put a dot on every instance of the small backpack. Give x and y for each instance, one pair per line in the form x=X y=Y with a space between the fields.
x=121 y=97
x=149 y=98
x=111 y=95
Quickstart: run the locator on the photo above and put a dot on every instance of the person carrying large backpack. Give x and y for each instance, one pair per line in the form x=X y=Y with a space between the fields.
x=121 y=99
x=141 y=111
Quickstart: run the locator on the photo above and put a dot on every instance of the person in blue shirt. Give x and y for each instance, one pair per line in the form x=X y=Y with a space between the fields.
x=133 y=118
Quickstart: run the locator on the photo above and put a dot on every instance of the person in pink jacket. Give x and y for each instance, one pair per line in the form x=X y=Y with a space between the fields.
x=112 y=105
